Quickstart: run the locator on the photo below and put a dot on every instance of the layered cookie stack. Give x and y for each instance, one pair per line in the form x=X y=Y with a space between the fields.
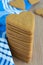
x=20 y=33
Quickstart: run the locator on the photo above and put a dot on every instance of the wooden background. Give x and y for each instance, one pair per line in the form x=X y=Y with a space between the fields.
x=37 y=58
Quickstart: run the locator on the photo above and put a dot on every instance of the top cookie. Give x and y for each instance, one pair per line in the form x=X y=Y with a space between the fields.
x=33 y=1
x=24 y=20
x=18 y=4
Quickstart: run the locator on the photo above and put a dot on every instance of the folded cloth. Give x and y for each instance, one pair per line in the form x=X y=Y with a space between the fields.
x=5 y=53
x=28 y=5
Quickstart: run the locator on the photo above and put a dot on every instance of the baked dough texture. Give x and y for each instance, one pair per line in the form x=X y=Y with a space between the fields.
x=18 y=4
x=20 y=33
x=33 y=1
x=39 y=12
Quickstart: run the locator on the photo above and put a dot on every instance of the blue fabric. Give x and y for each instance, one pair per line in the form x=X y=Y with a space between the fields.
x=5 y=54
x=1 y=5
x=27 y=4
x=5 y=10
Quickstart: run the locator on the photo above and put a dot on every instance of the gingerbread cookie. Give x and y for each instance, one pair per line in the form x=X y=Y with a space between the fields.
x=39 y=12
x=33 y=1
x=18 y=4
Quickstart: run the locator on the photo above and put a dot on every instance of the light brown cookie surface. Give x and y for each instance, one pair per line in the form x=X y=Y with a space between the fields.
x=18 y=4
x=39 y=11
x=34 y=1
x=20 y=22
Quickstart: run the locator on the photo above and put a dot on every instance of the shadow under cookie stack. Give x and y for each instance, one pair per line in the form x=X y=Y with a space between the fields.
x=20 y=33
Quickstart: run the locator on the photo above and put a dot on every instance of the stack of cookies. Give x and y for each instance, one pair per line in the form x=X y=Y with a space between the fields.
x=20 y=33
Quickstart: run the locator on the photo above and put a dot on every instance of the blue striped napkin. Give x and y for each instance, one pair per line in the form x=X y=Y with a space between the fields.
x=5 y=54
x=5 y=10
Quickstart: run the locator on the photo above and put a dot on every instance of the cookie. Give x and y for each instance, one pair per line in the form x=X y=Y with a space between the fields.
x=19 y=37
x=19 y=21
x=18 y=4
x=19 y=42
x=20 y=56
x=23 y=50
x=33 y=1
x=18 y=30
x=39 y=12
